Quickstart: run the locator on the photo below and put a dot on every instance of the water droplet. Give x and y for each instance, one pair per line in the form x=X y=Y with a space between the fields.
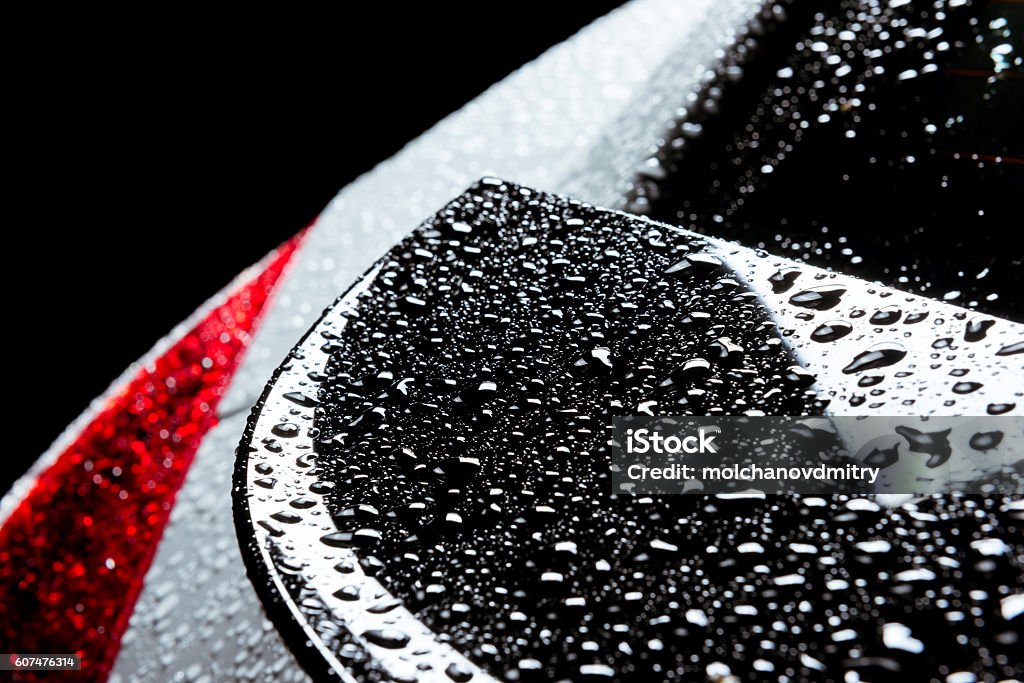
x=966 y=387
x=783 y=279
x=934 y=444
x=819 y=298
x=389 y=638
x=301 y=399
x=285 y=430
x=878 y=356
x=1011 y=349
x=831 y=331
x=986 y=441
x=886 y=316
x=977 y=328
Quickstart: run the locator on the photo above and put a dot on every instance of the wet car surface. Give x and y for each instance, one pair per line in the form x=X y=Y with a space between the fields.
x=427 y=477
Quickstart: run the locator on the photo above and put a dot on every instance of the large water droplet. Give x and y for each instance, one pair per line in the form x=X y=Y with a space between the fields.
x=878 y=356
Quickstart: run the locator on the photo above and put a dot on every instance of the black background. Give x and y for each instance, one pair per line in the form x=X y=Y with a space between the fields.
x=155 y=157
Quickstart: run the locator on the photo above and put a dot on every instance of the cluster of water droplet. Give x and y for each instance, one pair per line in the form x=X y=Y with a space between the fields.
x=460 y=433
x=877 y=138
x=907 y=352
